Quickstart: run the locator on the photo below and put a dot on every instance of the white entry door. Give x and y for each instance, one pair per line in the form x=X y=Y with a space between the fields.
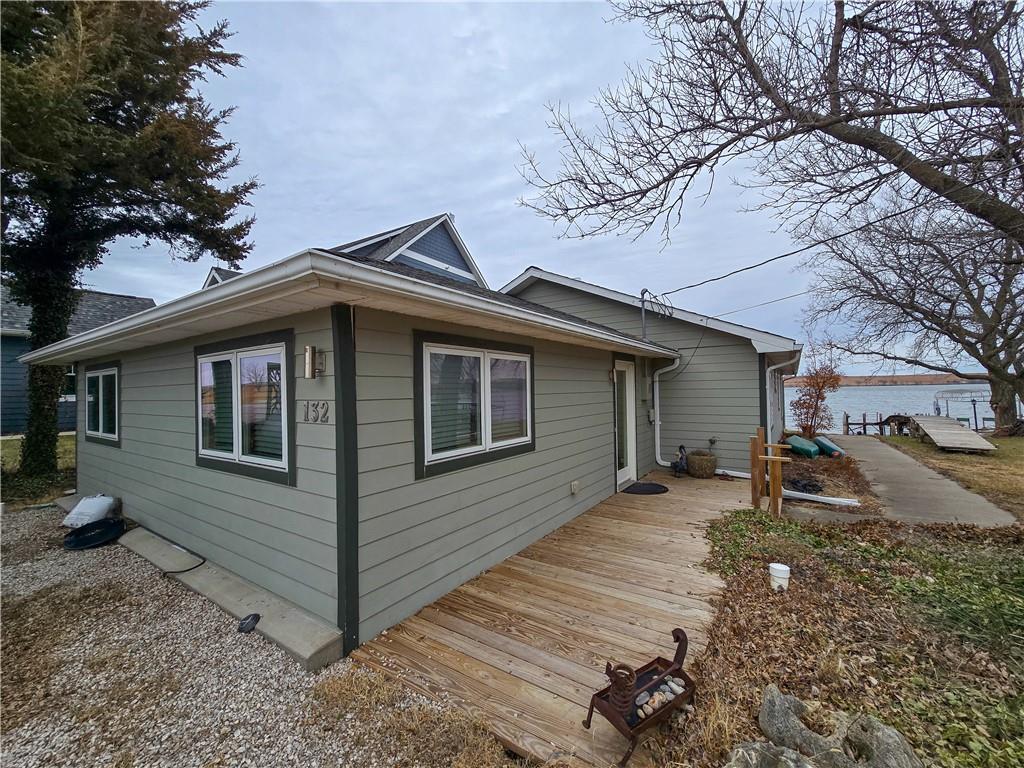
x=625 y=422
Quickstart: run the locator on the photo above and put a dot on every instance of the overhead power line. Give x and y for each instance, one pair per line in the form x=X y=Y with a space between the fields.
x=763 y=304
x=831 y=238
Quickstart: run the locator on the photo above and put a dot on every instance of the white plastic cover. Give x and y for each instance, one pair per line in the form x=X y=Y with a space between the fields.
x=89 y=510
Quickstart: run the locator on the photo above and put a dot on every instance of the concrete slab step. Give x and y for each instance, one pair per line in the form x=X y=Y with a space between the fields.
x=310 y=640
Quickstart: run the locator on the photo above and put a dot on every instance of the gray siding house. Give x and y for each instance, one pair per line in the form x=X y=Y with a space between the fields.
x=94 y=309
x=360 y=429
x=728 y=380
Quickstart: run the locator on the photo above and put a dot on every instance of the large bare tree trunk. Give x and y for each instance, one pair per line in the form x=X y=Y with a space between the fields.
x=1004 y=403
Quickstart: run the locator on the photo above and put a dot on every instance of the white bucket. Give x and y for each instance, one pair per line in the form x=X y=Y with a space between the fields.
x=778 y=574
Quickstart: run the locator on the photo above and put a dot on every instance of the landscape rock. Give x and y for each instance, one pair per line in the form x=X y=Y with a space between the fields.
x=761 y=755
x=860 y=741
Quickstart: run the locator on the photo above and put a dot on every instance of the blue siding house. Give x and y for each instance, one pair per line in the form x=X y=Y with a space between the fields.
x=94 y=309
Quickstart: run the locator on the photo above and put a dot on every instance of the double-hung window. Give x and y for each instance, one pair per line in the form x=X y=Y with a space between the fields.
x=477 y=402
x=242 y=406
x=101 y=403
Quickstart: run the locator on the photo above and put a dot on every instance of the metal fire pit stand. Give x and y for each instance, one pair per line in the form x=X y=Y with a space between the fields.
x=630 y=724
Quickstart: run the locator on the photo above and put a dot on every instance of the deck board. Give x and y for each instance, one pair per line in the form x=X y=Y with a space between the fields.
x=522 y=646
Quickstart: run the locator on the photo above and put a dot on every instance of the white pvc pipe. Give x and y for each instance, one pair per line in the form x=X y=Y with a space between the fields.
x=657 y=410
x=836 y=501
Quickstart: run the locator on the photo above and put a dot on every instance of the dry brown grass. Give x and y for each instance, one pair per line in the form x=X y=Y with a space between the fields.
x=32 y=632
x=406 y=730
x=847 y=637
x=998 y=476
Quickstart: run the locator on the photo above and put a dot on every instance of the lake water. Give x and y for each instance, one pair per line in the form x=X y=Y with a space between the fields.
x=909 y=399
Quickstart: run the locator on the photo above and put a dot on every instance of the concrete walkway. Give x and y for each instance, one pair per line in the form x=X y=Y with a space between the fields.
x=914 y=493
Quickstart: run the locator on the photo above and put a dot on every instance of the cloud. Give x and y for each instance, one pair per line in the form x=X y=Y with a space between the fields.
x=357 y=117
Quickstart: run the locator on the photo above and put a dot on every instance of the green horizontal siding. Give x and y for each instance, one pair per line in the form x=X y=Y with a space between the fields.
x=714 y=394
x=418 y=539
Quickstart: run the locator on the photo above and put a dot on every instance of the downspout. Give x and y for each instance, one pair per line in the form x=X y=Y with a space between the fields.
x=657 y=410
x=768 y=391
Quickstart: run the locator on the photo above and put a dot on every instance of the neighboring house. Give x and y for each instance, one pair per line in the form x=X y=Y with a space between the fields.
x=94 y=309
x=728 y=380
x=360 y=429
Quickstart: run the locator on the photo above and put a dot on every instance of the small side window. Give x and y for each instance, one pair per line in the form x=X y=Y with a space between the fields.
x=102 y=409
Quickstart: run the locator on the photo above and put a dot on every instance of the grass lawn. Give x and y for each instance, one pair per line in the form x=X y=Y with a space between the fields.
x=10 y=453
x=922 y=627
x=19 y=490
x=998 y=476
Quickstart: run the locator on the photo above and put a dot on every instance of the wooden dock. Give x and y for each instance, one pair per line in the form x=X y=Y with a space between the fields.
x=949 y=434
x=523 y=645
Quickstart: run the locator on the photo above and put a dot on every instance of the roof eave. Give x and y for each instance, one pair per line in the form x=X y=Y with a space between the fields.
x=314 y=270
x=762 y=341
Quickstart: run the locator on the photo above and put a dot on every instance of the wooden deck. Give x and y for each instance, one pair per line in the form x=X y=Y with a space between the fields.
x=950 y=435
x=523 y=645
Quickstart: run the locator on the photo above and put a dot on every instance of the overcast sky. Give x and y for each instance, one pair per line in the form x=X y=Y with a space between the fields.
x=361 y=117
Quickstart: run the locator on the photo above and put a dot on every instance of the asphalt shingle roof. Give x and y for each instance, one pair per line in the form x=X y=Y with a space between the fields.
x=476 y=290
x=392 y=244
x=94 y=309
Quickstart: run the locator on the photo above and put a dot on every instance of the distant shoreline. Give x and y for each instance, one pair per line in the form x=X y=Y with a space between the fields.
x=894 y=380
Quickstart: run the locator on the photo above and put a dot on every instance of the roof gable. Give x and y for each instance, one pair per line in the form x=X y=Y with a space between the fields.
x=763 y=341
x=218 y=275
x=432 y=244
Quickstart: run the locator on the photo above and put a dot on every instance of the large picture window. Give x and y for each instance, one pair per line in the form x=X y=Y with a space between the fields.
x=102 y=409
x=242 y=397
x=476 y=402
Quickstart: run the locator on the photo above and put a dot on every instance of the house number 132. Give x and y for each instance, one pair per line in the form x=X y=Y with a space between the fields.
x=317 y=412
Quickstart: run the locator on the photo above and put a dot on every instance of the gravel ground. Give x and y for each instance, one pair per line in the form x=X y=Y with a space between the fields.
x=105 y=663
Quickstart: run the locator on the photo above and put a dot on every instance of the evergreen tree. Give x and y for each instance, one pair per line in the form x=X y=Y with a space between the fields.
x=104 y=135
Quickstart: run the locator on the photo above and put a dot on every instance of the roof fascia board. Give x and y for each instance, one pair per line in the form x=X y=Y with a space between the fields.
x=282 y=272
x=763 y=341
x=212 y=278
x=461 y=245
x=295 y=274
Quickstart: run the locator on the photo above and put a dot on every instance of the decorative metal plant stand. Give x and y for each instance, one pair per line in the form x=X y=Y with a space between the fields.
x=617 y=702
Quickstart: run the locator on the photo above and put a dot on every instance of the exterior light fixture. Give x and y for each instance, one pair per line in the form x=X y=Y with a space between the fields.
x=315 y=362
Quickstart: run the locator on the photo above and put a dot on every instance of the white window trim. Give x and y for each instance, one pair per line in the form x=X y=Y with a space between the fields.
x=99 y=400
x=236 y=454
x=487 y=443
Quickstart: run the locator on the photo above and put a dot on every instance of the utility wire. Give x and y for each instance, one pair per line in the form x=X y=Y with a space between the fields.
x=833 y=238
x=762 y=304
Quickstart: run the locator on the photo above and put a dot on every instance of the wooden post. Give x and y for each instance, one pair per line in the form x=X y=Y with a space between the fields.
x=775 y=483
x=756 y=477
x=864 y=423
x=846 y=423
x=762 y=467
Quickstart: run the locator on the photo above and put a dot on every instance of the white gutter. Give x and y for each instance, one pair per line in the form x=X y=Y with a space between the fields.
x=283 y=276
x=657 y=410
x=768 y=391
